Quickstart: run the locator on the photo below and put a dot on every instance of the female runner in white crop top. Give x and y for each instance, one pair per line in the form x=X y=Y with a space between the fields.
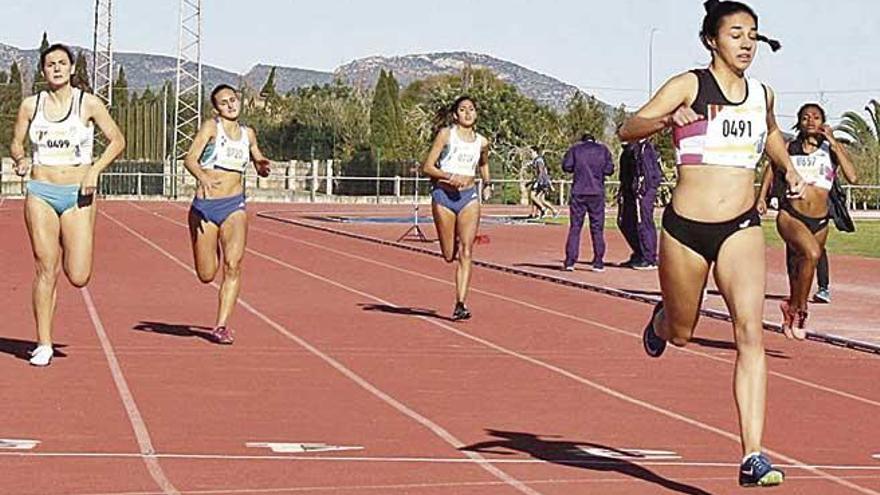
x=60 y=208
x=803 y=223
x=217 y=159
x=452 y=163
x=712 y=218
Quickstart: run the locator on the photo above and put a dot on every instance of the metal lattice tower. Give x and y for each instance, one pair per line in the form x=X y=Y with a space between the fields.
x=102 y=52
x=188 y=95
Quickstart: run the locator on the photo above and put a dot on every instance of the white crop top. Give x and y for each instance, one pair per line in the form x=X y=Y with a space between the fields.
x=461 y=157
x=225 y=154
x=67 y=142
x=816 y=168
x=730 y=134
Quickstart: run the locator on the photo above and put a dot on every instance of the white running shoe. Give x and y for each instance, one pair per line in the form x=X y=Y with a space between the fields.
x=42 y=355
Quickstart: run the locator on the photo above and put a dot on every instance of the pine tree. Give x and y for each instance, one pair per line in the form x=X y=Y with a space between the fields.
x=584 y=115
x=268 y=90
x=120 y=88
x=10 y=99
x=39 y=80
x=386 y=118
x=81 y=78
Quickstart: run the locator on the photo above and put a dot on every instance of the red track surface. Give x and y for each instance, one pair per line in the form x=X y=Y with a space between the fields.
x=346 y=343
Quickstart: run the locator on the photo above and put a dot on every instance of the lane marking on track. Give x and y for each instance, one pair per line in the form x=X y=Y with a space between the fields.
x=501 y=349
x=347 y=372
x=298 y=448
x=579 y=319
x=14 y=444
x=433 y=460
x=131 y=409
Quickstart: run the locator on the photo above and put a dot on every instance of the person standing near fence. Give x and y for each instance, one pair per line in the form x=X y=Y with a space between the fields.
x=723 y=123
x=540 y=185
x=60 y=208
x=590 y=162
x=803 y=222
x=452 y=163
x=217 y=158
x=640 y=176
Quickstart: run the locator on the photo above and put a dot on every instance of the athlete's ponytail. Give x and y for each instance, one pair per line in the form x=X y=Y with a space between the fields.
x=716 y=10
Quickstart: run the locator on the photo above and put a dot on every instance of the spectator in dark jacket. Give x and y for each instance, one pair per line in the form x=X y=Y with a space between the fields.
x=590 y=162
x=640 y=176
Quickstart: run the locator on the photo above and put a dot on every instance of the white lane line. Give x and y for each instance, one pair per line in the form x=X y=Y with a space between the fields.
x=588 y=321
x=363 y=383
x=558 y=370
x=426 y=460
x=134 y=415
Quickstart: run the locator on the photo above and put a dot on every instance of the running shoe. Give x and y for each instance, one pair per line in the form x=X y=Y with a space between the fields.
x=42 y=355
x=643 y=265
x=823 y=295
x=653 y=344
x=460 y=312
x=568 y=268
x=597 y=267
x=223 y=335
x=756 y=470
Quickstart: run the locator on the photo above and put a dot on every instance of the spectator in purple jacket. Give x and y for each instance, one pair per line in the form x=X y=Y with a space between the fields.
x=590 y=162
x=640 y=176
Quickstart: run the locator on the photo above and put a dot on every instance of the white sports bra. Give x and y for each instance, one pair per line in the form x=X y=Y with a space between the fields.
x=226 y=154
x=461 y=157
x=67 y=142
x=816 y=168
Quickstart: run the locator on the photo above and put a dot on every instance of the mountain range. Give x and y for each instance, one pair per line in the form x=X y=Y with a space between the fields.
x=147 y=70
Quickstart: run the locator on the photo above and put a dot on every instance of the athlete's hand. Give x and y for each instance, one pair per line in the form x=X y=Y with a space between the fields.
x=685 y=115
x=828 y=133
x=795 y=183
x=22 y=167
x=89 y=184
x=454 y=181
x=761 y=206
x=262 y=167
x=207 y=185
x=487 y=192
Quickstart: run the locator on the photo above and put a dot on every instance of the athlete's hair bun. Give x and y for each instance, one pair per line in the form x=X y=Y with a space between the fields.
x=710 y=4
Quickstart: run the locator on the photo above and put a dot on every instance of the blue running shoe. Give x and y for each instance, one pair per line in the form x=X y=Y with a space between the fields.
x=653 y=344
x=756 y=470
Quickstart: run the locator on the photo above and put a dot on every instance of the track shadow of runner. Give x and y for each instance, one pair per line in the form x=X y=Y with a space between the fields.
x=402 y=310
x=572 y=454
x=175 y=329
x=21 y=349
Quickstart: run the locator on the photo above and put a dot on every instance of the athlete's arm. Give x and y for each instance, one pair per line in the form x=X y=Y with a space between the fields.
x=778 y=151
x=670 y=106
x=207 y=132
x=261 y=163
x=840 y=155
x=19 y=133
x=97 y=112
x=766 y=181
x=484 y=171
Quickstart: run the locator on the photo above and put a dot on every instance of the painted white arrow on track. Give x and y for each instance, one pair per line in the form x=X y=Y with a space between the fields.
x=13 y=444
x=630 y=454
x=299 y=448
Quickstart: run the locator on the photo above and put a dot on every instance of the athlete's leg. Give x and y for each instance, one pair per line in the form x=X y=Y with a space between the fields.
x=206 y=250
x=683 y=275
x=44 y=229
x=444 y=222
x=78 y=241
x=467 y=224
x=807 y=251
x=233 y=240
x=740 y=275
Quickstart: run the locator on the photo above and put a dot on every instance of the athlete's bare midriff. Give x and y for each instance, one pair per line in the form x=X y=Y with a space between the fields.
x=814 y=203
x=710 y=193
x=230 y=184
x=63 y=175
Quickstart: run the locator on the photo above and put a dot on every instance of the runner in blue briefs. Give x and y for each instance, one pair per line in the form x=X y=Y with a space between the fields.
x=722 y=123
x=60 y=209
x=452 y=163
x=217 y=158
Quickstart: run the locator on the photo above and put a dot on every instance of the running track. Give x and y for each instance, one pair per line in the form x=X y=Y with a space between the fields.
x=346 y=343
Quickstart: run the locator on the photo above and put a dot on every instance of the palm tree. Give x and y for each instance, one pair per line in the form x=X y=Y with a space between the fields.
x=864 y=135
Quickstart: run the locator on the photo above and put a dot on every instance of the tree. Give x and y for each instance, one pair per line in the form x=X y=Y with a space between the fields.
x=81 y=78
x=120 y=88
x=585 y=114
x=386 y=120
x=39 y=80
x=268 y=91
x=10 y=99
x=863 y=136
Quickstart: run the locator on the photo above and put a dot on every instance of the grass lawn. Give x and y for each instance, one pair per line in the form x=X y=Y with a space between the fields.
x=865 y=241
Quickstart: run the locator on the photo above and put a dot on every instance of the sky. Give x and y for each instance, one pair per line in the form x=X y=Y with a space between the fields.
x=829 y=54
